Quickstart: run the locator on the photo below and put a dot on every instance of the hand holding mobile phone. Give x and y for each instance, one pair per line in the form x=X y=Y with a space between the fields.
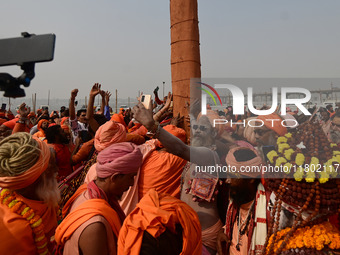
x=145 y=100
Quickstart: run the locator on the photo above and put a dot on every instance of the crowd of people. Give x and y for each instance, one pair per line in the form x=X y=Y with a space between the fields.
x=97 y=182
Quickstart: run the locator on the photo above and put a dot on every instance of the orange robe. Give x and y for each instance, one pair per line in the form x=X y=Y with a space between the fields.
x=155 y=213
x=161 y=171
x=83 y=212
x=83 y=152
x=16 y=234
x=63 y=159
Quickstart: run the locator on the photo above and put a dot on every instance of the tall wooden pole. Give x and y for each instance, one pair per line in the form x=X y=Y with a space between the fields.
x=116 y=101
x=185 y=52
x=48 y=98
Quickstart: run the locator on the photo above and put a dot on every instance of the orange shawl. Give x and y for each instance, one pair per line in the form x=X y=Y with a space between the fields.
x=83 y=213
x=155 y=213
x=161 y=171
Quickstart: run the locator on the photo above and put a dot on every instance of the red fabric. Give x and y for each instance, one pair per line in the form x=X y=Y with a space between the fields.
x=11 y=123
x=63 y=159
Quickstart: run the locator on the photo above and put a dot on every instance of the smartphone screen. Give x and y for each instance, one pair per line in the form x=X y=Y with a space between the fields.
x=3 y=107
x=145 y=100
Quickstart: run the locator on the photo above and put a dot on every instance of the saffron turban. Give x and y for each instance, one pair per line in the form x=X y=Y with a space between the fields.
x=211 y=115
x=32 y=174
x=178 y=132
x=109 y=133
x=232 y=162
x=40 y=123
x=118 y=118
x=273 y=122
x=120 y=158
x=31 y=115
x=156 y=213
x=241 y=143
x=63 y=119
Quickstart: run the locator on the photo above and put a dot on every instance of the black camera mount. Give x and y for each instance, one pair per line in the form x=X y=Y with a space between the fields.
x=23 y=51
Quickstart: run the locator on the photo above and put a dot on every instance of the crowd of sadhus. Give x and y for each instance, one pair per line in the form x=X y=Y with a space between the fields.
x=142 y=194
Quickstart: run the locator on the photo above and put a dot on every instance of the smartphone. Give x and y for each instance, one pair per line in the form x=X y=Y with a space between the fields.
x=3 y=107
x=35 y=48
x=145 y=100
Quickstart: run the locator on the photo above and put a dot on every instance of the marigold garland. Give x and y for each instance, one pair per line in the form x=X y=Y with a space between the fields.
x=8 y=198
x=315 y=237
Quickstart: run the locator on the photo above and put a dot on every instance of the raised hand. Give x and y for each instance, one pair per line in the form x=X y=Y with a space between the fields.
x=23 y=111
x=168 y=101
x=176 y=121
x=107 y=96
x=95 y=89
x=74 y=93
x=102 y=93
x=143 y=115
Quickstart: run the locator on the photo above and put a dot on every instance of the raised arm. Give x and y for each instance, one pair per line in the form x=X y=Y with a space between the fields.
x=107 y=107
x=89 y=113
x=22 y=123
x=159 y=114
x=102 y=93
x=198 y=155
x=71 y=106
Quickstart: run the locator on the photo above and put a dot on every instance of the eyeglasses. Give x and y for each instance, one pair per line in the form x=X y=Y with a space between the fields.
x=202 y=128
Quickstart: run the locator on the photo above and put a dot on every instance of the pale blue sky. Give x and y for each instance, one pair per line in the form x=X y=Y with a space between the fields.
x=125 y=45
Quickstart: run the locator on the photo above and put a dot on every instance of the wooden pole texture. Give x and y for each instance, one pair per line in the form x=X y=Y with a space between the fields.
x=185 y=52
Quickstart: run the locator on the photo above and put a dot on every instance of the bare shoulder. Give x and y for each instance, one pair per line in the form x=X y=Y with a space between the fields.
x=93 y=239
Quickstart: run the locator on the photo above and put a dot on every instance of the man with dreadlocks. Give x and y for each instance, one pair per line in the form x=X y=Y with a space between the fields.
x=29 y=195
x=247 y=214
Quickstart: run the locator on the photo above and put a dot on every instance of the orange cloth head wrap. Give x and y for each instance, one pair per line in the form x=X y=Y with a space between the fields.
x=63 y=119
x=109 y=133
x=273 y=122
x=40 y=124
x=178 y=132
x=155 y=213
x=118 y=118
x=32 y=174
x=232 y=162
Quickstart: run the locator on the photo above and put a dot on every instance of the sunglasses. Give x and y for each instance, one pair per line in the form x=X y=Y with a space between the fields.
x=202 y=128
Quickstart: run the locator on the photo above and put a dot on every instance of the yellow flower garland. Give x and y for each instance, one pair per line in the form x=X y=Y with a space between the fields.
x=8 y=198
x=315 y=237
